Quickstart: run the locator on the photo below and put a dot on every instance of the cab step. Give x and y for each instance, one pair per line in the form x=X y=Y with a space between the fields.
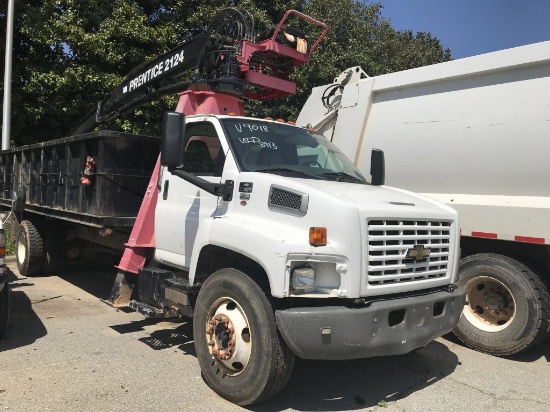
x=149 y=311
x=181 y=285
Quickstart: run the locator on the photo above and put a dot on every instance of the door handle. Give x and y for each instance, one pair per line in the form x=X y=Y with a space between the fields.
x=165 y=191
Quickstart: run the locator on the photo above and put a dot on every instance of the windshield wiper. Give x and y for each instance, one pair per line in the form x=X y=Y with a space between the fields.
x=280 y=169
x=342 y=177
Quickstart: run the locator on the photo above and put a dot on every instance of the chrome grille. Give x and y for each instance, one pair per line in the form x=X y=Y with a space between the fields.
x=390 y=240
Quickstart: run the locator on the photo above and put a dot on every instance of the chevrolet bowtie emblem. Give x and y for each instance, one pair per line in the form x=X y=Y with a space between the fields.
x=418 y=252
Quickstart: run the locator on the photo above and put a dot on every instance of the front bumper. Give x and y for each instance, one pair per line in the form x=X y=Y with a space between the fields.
x=390 y=327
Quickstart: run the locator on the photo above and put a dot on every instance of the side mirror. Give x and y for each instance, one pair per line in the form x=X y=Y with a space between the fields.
x=172 y=147
x=377 y=167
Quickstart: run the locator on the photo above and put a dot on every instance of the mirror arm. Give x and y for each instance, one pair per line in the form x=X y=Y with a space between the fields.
x=225 y=190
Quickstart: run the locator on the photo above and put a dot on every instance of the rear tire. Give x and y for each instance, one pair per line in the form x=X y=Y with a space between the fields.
x=29 y=249
x=507 y=305
x=241 y=354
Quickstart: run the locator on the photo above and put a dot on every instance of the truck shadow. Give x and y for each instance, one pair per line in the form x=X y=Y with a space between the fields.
x=533 y=354
x=180 y=336
x=326 y=385
x=95 y=279
x=24 y=327
x=362 y=383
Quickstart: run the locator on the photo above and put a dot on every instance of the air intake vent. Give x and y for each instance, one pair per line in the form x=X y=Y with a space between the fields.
x=286 y=200
x=283 y=198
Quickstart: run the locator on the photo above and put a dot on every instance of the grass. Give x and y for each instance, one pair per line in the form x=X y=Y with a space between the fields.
x=10 y=244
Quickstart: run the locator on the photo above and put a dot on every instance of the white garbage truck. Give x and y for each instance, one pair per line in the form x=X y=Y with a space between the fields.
x=473 y=133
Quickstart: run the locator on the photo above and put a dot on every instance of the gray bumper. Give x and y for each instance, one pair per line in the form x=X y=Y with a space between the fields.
x=335 y=332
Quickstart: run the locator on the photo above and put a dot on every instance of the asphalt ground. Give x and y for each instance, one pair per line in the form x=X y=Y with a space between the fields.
x=66 y=350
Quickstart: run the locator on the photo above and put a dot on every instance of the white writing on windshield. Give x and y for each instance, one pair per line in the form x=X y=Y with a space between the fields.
x=247 y=127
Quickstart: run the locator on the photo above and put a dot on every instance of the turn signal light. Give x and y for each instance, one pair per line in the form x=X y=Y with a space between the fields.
x=318 y=236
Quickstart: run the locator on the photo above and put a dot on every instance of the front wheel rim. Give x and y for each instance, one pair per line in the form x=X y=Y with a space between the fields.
x=491 y=306
x=228 y=336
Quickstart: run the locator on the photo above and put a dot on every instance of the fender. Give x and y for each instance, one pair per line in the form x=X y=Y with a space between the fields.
x=234 y=234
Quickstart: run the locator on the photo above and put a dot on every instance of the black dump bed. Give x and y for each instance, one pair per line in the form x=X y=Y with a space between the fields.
x=50 y=174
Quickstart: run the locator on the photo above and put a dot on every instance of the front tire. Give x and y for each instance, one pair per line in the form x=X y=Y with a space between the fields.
x=507 y=305
x=29 y=249
x=241 y=354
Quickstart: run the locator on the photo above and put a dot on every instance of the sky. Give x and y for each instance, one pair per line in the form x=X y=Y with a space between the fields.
x=472 y=27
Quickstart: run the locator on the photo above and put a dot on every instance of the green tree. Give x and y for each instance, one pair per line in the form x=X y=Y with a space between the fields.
x=76 y=53
x=69 y=54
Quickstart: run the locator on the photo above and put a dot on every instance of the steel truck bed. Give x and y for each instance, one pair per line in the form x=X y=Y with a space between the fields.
x=50 y=176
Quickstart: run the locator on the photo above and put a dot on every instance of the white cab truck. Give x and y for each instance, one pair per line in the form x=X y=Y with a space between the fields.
x=472 y=133
x=298 y=243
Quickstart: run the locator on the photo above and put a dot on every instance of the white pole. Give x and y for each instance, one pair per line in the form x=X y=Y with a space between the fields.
x=6 y=113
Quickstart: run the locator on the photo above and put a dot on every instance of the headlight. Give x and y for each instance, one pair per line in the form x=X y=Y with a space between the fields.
x=303 y=278
x=319 y=275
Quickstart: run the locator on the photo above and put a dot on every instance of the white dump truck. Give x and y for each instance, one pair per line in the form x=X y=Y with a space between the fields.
x=263 y=232
x=473 y=133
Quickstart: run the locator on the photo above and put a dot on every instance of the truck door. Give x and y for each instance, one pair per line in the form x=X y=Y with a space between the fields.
x=181 y=205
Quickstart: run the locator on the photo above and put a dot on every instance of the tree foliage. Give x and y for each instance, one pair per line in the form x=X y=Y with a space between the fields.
x=70 y=54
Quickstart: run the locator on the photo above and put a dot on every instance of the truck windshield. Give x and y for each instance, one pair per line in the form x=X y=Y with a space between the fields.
x=284 y=149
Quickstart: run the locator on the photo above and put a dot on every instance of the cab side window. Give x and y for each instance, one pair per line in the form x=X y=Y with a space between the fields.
x=203 y=152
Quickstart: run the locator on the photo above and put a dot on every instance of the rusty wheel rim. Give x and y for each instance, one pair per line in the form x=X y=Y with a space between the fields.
x=228 y=336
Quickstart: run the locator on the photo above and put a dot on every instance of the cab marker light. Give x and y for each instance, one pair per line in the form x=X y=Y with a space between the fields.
x=318 y=236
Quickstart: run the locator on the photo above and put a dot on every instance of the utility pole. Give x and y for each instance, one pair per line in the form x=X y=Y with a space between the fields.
x=6 y=113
